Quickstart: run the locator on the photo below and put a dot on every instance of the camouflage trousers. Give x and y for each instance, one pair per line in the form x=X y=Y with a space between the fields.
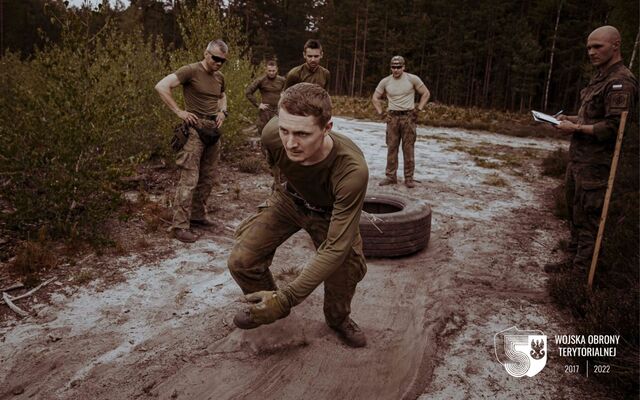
x=585 y=187
x=265 y=116
x=198 y=166
x=258 y=237
x=401 y=128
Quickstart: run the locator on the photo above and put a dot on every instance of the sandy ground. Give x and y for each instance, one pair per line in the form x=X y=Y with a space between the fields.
x=165 y=330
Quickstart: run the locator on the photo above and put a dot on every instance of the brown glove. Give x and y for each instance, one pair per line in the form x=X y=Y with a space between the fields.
x=270 y=306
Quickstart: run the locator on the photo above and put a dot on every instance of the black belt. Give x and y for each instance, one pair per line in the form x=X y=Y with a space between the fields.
x=210 y=117
x=396 y=112
x=299 y=200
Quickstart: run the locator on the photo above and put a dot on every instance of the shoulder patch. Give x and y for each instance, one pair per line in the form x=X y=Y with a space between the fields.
x=618 y=101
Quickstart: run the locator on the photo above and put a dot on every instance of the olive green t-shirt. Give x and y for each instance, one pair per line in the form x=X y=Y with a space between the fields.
x=302 y=73
x=202 y=89
x=270 y=89
x=338 y=181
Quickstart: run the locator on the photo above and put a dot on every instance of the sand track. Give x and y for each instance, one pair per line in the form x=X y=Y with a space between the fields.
x=166 y=331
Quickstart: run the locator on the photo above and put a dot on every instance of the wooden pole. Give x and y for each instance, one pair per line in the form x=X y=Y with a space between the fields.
x=607 y=197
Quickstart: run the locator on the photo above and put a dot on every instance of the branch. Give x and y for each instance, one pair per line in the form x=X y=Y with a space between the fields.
x=7 y=300
x=32 y=291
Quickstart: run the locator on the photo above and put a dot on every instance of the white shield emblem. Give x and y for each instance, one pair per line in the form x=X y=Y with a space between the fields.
x=521 y=352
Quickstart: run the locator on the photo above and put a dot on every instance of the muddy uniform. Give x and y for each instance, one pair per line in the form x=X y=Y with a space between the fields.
x=270 y=90
x=401 y=121
x=608 y=94
x=302 y=73
x=325 y=199
x=197 y=162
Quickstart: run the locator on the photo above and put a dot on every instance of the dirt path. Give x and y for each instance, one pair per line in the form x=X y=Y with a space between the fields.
x=430 y=319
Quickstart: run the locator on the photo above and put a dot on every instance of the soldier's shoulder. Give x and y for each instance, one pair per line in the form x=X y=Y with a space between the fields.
x=270 y=134
x=295 y=70
x=219 y=75
x=324 y=70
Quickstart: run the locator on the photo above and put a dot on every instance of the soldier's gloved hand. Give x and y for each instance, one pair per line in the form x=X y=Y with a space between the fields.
x=270 y=306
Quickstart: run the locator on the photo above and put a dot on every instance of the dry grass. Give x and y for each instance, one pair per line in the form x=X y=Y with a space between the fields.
x=253 y=165
x=495 y=180
x=436 y=114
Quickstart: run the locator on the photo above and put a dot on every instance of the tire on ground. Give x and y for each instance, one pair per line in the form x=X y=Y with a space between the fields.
x=393 y=226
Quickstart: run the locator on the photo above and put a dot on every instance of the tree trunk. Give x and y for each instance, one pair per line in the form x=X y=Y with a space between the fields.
x=364 y=47
x=337 y=75
x=553 y=51
x=635 y=49
x=355 y=57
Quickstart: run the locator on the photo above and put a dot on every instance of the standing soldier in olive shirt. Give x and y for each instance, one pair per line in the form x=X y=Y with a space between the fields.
x=611 y=91
x=310 y=71
x=326 y=181
x=400 y=89
x=205 y=101
x=270 y=86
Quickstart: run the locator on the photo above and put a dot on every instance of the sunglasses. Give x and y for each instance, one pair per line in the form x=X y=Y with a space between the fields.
x=396 y=67
x=217 y=59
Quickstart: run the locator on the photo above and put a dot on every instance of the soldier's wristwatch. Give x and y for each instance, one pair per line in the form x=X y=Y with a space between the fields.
x=225 y=112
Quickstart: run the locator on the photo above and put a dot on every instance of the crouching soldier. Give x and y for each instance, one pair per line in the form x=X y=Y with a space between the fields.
x=325 y=180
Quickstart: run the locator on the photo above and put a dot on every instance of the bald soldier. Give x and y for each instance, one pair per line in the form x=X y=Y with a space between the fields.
x=611 y=91
x=310 y=71
x=325 y=181
x=400 y=90
x=270 y=85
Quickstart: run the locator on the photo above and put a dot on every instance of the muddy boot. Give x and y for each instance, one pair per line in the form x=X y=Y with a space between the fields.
x=410 y=183
x=184 y=235
x=205 y=222
x=561 y=266
x=243 y=320
x=388 y=181
x=350 y=333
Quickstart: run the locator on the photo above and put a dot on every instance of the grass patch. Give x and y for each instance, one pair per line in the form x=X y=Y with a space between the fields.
x=436 y=114
x=484 y=163
x=253 y=165
x=495 y=180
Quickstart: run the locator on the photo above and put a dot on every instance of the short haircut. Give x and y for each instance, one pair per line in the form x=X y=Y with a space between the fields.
x=271 y=63
x=307 y=99
x=220 y=44
x=312 y=44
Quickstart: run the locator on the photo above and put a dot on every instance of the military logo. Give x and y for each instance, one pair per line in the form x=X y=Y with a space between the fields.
x=619 y=101
x=521 y=352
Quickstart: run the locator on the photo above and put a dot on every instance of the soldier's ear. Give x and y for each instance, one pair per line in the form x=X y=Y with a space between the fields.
x=328 y=127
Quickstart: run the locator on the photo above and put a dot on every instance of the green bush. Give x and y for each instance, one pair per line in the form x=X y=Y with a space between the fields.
x=83 y=112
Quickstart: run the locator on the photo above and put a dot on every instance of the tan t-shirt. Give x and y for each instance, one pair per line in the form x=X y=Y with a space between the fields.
x=338 y=181
x=400 y=92
x=202 y=89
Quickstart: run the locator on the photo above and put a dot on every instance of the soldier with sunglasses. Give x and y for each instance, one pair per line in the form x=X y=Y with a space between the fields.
x=400 y=88
x=205 y=106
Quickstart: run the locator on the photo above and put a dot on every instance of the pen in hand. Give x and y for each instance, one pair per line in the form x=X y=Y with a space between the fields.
x=558 y=114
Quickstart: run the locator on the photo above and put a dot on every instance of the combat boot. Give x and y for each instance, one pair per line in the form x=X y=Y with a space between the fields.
x=204 y=222
x=350 y=333
x=561 y=266
x=243 y=320
x=184 y=235
x=410 y=183
x=388 y=181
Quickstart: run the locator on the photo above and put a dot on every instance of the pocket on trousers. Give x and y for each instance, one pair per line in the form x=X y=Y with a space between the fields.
x=593 y=196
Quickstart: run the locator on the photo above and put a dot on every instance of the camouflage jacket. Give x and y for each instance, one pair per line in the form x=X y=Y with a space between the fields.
x=608 y=94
